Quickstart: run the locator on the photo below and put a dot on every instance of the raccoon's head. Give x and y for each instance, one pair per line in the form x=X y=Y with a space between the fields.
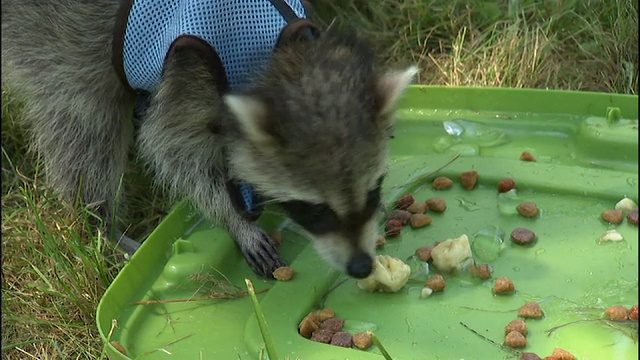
x=314 y=134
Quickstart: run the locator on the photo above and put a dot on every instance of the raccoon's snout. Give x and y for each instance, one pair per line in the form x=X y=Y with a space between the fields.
x=360 y=266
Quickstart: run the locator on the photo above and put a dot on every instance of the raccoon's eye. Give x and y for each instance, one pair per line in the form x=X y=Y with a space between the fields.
x=373 y=199
x=316 y=218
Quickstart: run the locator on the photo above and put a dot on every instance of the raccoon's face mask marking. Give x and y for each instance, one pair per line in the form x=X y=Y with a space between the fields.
x=313 y=136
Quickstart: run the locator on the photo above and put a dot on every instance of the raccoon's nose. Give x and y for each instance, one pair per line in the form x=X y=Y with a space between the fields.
x=360 y=266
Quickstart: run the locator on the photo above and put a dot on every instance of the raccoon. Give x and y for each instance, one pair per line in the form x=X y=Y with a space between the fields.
x=306 y=126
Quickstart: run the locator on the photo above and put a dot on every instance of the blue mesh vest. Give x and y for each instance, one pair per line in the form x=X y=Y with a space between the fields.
x=243 y=33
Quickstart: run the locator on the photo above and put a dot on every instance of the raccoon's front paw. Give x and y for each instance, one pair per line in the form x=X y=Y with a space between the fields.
x=261 y=254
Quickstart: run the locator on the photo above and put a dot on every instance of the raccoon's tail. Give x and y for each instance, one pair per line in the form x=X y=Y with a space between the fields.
x=56 y=57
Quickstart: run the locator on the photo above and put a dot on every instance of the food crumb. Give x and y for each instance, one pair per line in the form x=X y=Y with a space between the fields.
x=516 y=325
x=633 y=313
x=283 y=273
x=424 y=253
x=436 y=204
x=515 y=339
x=442 y=183
x=436 y=283
x=417 y=207
x=531 y=310
x=342 y=338
x=506 y=185
x=394 y=228
x=527 y=156
x=469 y=179
x=617 y=313
x=613 y=216
x=405 y=201
x=561 y=354
x=362 y=340
x=528 y=209
x=503 y=285
x=419 y=220
x=482 y=271
x=523 y=236
x=632 y=217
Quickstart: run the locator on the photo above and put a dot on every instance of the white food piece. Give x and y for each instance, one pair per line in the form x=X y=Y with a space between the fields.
x=452 y=254
x=626 y=205
x=389 y=275
x=611 y=235
x=426 y=292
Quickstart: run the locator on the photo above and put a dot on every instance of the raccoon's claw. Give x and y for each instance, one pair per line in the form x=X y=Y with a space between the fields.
x=262 y=256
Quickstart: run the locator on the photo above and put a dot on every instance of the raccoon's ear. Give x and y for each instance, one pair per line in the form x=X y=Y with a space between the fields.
x=391 y=85
x=252 y=117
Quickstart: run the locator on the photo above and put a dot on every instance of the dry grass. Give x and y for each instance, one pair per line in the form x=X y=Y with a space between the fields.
x=54 y=271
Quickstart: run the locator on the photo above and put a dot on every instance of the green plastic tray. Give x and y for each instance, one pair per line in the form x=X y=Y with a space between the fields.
x=586 y=145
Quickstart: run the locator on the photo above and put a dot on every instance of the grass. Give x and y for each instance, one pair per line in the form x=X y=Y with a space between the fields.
x=54 y=271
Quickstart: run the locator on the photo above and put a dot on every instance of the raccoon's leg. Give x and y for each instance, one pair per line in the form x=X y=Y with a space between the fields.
x=183 y=138
x=78 y=111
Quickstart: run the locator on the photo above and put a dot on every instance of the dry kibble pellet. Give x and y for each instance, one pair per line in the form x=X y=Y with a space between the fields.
x=322 y=335
x=402 y=215
x=342 y=338
x=613 y=216
x=506 y=185
x=469 y=179
x=516 y=325
x=528 y=209
x=424 y=253
x=633 y=313
x=523 y=236
x=442 y=183
x=527 y=156
x=419 y=220
x=529 y=356
x=515 y=339
x=617 y=313
x=405 y=201
x=417 y=207
x=283 y=273
x=436 y=283
x=562 y=354
x=503 y=285
x=362 y=340
x=394 y=228
x=482 y=271
x=632 y=217
x=531 y=310
x=436 y=204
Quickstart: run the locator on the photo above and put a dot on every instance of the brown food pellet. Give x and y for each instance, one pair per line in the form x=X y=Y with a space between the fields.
x=522 y=236
x=613 y=216
x=419 y=220
x=442 y=183
x=424 y=253
x=469 y=179
x=515 y=340
x=531 y=310
x=503 y=285
x=437 y=204
x=119 y=347
x=617 y=313
x=528 y=209
x=283 y=273
x=394 y=228
x=276 y=237
x=401 y=215
x=417 y=207
x=308 y=325
x=483 y=271
x=324 y=314
x=633 y=313
x=362 y=340
x=516 y=325
x=323 y=335
x=506 y=185
x=335 y=324
x=436 y=283
x=562 y=354
x=342 y=338
x=381 y=241
x=405 y=201
x=527 y=156
x=529 y=356
x=633 y=217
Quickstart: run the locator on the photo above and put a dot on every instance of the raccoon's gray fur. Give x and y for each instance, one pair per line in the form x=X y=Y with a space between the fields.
x=311 y=133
